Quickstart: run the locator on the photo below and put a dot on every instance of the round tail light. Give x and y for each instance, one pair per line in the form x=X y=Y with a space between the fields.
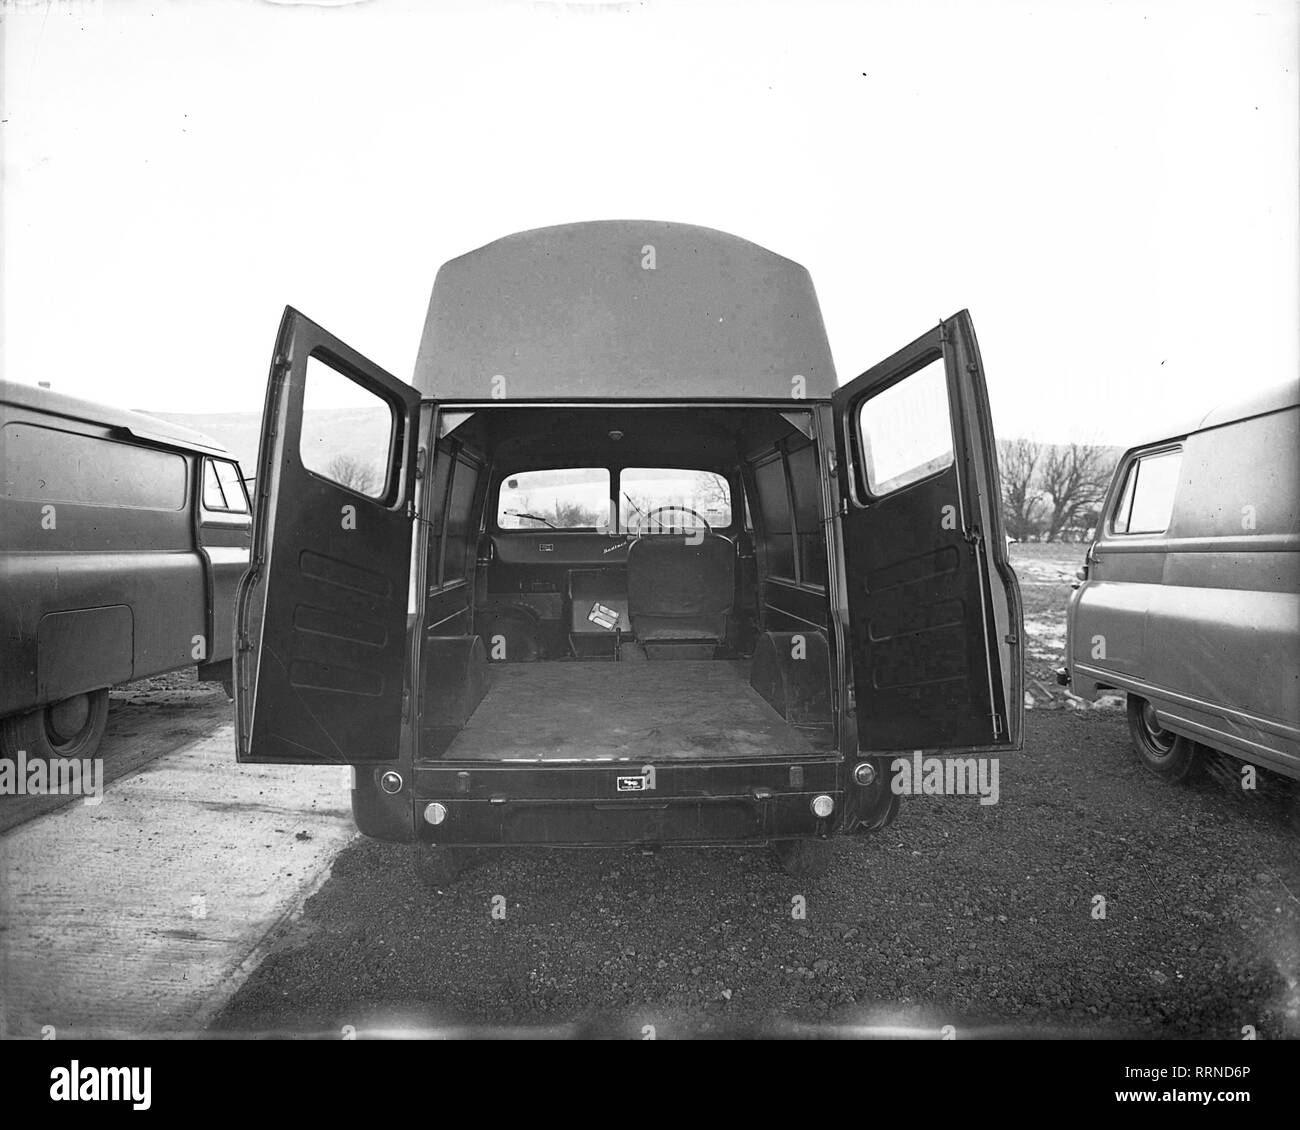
x=435 y=813
x=864 y=773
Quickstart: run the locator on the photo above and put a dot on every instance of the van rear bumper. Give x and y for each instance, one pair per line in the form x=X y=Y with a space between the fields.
x=684 y=803
x=677 y=820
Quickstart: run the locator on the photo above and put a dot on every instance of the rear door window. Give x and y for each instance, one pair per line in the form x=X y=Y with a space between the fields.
x=348 y=431
x=905 y=431
x=563 y=498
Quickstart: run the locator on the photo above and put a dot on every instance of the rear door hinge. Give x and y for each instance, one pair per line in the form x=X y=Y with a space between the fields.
x=997 y=726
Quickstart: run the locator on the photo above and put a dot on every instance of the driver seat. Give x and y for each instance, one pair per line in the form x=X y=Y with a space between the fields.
x=679 y=592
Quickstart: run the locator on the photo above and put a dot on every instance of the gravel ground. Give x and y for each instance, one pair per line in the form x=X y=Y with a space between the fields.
x=979 y=917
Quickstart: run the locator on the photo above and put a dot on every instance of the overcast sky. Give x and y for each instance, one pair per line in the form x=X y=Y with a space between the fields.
x=1111 y=188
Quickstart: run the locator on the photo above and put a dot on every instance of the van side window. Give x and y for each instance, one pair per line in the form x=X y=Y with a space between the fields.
x=805 y=490
x=460 y=537
x=1147 y=499
x=905 y=431
x=347 y=431
x=774 y=507
x=222 y=489
x=214 y=498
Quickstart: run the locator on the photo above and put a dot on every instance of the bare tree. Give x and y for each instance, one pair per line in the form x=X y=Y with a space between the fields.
x=1074 y=478
x=711 y=489
x=1022 y=499
x=351 y=472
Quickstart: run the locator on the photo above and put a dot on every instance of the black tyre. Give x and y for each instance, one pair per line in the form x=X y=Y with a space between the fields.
x=70 y=728
x=803 y=859
x=884 y=815
x=437 y=866
x=1168 y=755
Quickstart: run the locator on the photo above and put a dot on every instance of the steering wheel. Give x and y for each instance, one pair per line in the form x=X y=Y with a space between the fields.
x=681 y=510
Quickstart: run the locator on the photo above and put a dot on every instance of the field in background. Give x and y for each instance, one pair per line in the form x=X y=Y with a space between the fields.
x=1046 y=572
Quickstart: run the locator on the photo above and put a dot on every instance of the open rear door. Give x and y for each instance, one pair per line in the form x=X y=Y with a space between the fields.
x=934 y=606
x=320 y=619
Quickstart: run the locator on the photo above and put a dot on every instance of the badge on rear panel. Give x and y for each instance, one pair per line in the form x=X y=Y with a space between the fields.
x=603 y=616
x=632 y=784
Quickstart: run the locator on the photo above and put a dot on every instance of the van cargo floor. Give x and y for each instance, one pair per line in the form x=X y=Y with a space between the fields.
x=642 y=712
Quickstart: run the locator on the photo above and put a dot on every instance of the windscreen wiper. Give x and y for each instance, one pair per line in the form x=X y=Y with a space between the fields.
x=534 y=517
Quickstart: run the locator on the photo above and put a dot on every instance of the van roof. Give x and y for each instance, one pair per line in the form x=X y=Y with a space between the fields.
x=623 y=309
x=1275 y=398
x=138 y=424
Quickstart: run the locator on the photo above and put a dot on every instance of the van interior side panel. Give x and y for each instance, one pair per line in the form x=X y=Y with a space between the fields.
x=609 y=585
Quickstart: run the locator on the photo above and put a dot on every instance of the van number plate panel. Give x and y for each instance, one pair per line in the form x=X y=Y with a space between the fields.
x=632 y=784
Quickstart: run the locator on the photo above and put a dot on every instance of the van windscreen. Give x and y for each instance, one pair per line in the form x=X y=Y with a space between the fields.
x=652 y=499
x=562 y=498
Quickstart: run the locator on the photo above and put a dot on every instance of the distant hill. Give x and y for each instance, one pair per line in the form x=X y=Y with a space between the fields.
x=335 y=431
x=237 y=432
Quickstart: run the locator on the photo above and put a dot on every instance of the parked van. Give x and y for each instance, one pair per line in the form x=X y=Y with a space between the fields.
x=122 y=540
x=669 y=583
x=1190 y=594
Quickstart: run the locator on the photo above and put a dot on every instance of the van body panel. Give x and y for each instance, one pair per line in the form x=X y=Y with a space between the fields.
x=103 y=567
x=321 y=613
x=76 y=650
x=165 y=593
x=1106 y=623
x=1203 y=620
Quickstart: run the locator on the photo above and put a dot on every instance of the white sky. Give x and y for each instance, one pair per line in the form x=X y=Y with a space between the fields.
x=1111 y=188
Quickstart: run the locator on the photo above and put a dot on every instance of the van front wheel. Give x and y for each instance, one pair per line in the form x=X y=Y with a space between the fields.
x=1165 y=753
x=70 y=728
